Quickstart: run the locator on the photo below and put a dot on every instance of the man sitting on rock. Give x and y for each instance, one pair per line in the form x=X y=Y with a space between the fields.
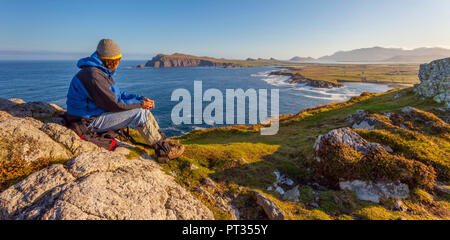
x=94 y=96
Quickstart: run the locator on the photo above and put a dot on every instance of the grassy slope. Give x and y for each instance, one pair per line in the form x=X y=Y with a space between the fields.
x=376 y=73
x=240 y=159
x=392 y=73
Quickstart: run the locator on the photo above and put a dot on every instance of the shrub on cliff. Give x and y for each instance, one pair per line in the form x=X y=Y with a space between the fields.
x=412 y=145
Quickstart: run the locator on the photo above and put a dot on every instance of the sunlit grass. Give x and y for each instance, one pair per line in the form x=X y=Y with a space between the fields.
x=371 y=73
x=217 y=152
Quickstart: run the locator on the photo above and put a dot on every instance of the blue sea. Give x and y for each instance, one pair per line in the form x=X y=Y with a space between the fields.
x=48 y=81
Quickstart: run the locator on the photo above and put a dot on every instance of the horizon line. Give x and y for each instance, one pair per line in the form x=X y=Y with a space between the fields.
x=71 y=55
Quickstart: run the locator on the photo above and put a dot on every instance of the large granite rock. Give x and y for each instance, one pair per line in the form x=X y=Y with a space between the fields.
x=271 y=209
x=100 y=185
x=68 y=138
x=22 y=139
x=93 y=184
x=19 y=108
x=344 y=136
x=435 y=81
x=373 y=192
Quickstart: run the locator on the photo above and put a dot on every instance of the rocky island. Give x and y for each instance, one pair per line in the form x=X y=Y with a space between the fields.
x=184 y=60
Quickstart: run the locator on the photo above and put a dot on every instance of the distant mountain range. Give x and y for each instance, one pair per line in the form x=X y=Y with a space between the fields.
x=380 y=54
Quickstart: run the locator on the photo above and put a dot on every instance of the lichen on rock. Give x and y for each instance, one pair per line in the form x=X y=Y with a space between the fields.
x=370 y=191
x=23 y=140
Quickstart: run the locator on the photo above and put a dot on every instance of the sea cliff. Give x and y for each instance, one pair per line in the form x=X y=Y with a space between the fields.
x=183 y=60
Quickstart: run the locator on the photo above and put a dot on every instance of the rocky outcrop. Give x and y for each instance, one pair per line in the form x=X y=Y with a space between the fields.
x=139 y=66
x=182 y=60
x=344 y=136
x=361 y=120
x=92 y=183
x=298 y=78
x=100 y=185
x=19 y=108
x=343 y=155
x=435 y=81
x=292 y=195
x=408 y=118
x=68 y=138
x=22 y=139
x=26 y=139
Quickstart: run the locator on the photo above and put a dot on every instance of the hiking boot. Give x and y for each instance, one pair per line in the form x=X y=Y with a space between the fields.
x=167 y=149
x=176 y=151
x=172 y=142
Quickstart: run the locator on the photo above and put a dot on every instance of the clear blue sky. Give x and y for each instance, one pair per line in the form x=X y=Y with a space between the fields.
x=219 y=28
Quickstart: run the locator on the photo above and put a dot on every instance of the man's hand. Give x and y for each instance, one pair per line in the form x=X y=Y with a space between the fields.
x=148 y=104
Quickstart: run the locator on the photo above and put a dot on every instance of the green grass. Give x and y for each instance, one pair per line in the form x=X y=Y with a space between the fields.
x=240 y=160
x=373 y=73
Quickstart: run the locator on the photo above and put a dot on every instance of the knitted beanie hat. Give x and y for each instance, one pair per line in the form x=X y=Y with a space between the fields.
x=108 y=49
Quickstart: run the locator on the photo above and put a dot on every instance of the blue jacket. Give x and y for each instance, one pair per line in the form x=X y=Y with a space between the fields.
x=93 y=91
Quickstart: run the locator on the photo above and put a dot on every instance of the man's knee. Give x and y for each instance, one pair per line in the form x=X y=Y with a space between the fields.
x=137 y=111
x=142 y=116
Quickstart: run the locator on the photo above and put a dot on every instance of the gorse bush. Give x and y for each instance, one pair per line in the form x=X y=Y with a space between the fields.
x=413 y=145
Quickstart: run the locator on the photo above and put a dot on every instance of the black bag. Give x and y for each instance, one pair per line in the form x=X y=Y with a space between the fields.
x=107 y=139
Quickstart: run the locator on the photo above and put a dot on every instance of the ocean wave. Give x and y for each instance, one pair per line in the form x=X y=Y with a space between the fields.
x=197 y=128
x=174 y=129
x=274 y=80
x=332 y=94
x=277 y=80
x=262 y=74
x=331 y=97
